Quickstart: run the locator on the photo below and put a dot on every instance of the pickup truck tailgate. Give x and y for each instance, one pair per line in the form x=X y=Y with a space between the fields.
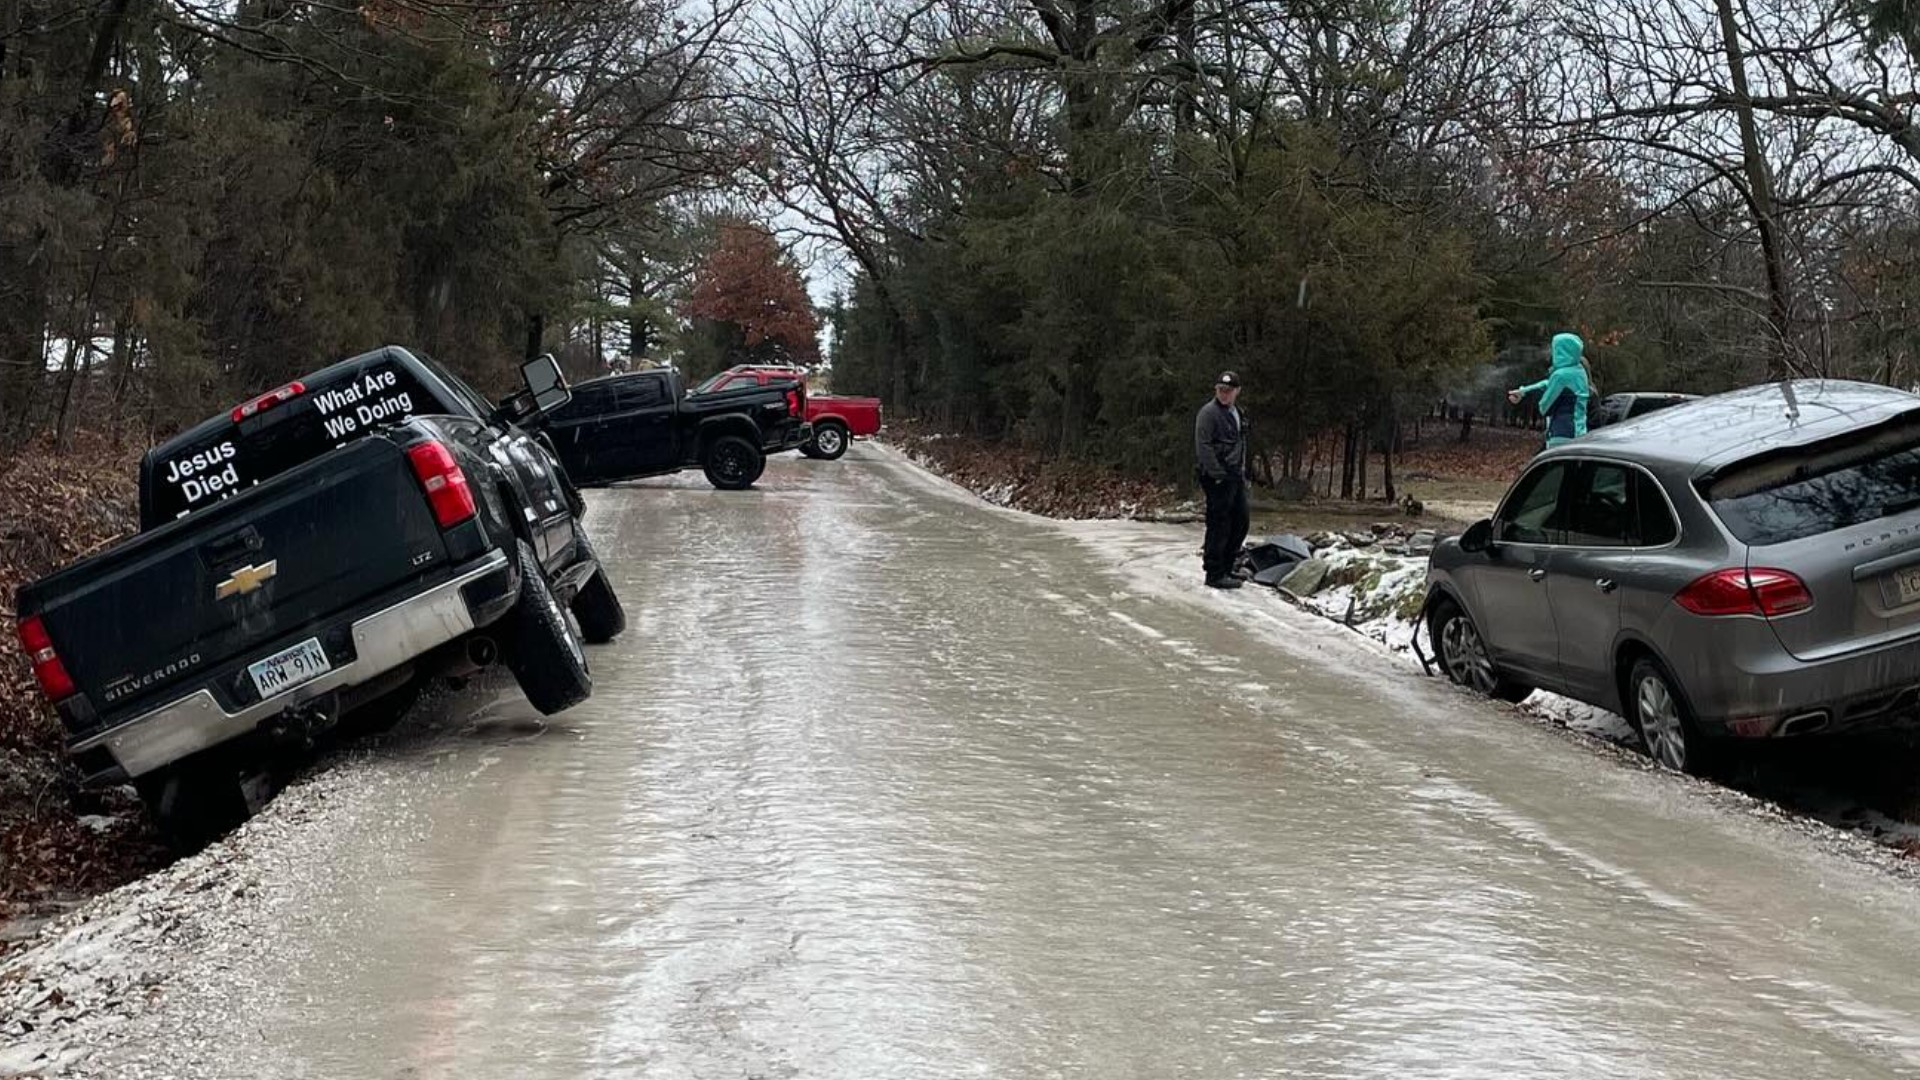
x=238 y=578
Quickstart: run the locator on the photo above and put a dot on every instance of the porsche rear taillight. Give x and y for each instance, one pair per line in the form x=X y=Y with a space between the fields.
x=1757 y=591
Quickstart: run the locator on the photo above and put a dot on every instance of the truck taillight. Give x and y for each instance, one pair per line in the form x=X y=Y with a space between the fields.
x=1759 y=591
x=268 y=400
x=446 y=484
x=796 y=402
x=47 y=668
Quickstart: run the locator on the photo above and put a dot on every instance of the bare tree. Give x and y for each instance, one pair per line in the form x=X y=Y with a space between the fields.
x=1693 y=100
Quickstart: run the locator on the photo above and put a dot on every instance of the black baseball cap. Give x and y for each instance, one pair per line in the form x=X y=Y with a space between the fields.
x=1227 y=378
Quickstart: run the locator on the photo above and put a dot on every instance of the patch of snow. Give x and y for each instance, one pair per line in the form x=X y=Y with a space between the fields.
x=1400 y=583
x=999 y=495
x=1582 y=717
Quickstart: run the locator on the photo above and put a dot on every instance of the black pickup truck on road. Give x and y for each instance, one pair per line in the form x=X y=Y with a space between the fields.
x=319 y=549
x=624 y=427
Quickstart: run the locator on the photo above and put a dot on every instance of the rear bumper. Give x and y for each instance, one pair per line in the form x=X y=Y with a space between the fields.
x=1751 y=686
x=382 y=641
x=788 y=437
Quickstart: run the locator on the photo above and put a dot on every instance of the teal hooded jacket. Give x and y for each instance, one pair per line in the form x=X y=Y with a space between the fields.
x=1565 y=390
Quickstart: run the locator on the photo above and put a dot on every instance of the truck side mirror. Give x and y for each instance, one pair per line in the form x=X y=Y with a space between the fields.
x=546 y=386
x=1477 y=538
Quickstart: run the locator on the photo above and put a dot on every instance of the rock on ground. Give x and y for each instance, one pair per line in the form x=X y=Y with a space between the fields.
x=1307 y=578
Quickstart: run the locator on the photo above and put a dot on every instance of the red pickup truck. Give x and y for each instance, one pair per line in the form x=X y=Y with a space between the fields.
x=836 y=420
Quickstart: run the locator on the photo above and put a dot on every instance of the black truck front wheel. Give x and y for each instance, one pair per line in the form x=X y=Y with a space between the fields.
x=596 y=607
x=544 y=655
x=733 y=463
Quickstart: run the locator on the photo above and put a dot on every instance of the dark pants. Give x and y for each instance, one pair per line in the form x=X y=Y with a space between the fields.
x=1226 y=524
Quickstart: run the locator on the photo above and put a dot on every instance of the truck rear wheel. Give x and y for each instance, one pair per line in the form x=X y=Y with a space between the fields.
x=194 y=802
x=546 y=658
x=596 y=607
x=733 y=462
x=830 y=441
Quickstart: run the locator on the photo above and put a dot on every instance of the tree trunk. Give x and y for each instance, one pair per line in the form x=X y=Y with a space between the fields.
x=1760 y=195
x=1346 y=463
x=1360 y=469
x=1386 y=458
x=69 y=375
x=1083 y=99
x=639 y=330
x=536 y=334
x=1188 y=79
x=896 y=361
x=120 y=373
x=23 y=327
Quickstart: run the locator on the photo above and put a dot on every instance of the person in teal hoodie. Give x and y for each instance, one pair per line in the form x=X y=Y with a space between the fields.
x=1564 y=392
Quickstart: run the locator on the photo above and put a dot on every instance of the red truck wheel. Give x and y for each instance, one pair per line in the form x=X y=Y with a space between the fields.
x=830 y=441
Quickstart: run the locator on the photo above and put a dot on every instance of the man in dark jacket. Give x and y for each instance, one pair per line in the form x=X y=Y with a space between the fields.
x=1220 y=450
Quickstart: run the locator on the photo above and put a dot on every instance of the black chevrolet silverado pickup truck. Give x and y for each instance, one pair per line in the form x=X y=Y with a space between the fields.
x=316 y=550
x=624 y=427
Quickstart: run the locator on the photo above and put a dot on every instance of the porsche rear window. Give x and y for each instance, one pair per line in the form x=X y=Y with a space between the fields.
x=1835 y=485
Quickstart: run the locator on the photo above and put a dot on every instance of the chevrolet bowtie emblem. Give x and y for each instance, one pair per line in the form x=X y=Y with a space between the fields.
x=246 y=579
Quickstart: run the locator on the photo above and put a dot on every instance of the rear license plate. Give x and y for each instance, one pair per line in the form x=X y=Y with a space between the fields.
x=289 y=668
x=1906 y=586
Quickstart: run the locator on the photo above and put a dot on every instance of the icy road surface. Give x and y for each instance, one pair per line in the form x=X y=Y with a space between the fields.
x=883 y=782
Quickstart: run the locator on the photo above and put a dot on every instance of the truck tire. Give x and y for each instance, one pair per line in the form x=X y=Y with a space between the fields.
x=830 y=441
x=194 y=802
x=733 y=462
x=596 y=607
x=546 y=658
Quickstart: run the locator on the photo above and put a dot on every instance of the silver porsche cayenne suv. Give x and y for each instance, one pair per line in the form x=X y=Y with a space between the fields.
x=1744 y=566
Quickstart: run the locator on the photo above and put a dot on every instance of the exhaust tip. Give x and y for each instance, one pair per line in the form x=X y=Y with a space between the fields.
x=1805 y=724
x=482 y=652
